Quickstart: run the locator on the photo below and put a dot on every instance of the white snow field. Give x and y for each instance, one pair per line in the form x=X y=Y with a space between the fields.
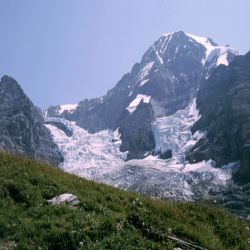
x=67 y=107
x=97 y=157
x=134 y=104
x=213 y=50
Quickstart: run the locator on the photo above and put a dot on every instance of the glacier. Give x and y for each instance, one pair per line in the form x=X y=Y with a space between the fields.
x=87 y=155
x=97 y=157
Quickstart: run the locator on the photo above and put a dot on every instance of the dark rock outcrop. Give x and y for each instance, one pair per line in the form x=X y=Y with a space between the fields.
x=224 y=104
x=136 y=132
x=22 y=129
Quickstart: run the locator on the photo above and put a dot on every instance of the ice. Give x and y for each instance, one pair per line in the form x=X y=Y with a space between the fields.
x=97 y=157
x=85 y=154
x=159 y=178
x=173 y=178
x=174 y=132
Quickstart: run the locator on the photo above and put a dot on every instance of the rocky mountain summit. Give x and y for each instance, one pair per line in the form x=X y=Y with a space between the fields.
x=145 y=133
x=22 y=129
x=165 y=81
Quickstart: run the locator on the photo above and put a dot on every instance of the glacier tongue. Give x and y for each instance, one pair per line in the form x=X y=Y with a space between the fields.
x=174 y=132
x=173 y=178
x=87 y=155
x=97 y=157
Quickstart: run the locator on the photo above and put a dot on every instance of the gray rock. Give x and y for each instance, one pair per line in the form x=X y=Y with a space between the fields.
x=22 y=129
x=67 y=199
x=136 y=132
x=224 y=104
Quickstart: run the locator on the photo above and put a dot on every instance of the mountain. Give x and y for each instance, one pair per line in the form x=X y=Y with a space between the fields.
x=165 y=81
x=224 y=104
x=22 y=129
x=105 y=217
x=137 y=136
x=175 y=127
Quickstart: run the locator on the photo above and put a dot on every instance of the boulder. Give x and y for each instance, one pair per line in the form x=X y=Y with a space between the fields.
x=67 y=199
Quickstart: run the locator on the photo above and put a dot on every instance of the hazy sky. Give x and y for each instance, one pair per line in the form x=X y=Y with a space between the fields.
x=62 y=51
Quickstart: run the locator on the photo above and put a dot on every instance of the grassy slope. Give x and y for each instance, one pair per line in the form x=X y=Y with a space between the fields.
x=107 y=218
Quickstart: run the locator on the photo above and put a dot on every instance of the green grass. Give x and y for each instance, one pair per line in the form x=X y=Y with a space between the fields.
x=107 y=218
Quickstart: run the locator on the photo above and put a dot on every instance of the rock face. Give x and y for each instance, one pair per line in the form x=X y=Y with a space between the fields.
x=236 y=199
x=168 y=75
x=136 y=132
x=22 y=129
x=224 y=104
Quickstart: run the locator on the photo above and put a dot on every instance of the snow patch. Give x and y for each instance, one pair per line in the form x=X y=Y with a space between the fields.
x=144 y=82
x=167 y=38
x=133 y=105
x=214 y=50
x=145 y=71
x=67 y=107
x=158 y=56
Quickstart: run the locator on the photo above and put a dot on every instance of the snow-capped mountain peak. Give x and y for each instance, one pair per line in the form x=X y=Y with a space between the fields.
x=222 y=53
x=213 y=49
x=153 y=109
x=165 y=80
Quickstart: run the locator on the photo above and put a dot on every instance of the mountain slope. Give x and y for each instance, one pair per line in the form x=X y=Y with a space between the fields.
x=106 y=218
x=22 y=129
x=150 y=113
x=224 y=104
x=168 y=77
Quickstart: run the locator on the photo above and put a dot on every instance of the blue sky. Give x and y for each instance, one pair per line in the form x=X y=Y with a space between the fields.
x=62 y=51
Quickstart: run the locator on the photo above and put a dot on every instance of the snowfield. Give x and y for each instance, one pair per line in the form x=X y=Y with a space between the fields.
x=67 y=107
x=97 y=157
x=134 y=104
x=213 y=50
